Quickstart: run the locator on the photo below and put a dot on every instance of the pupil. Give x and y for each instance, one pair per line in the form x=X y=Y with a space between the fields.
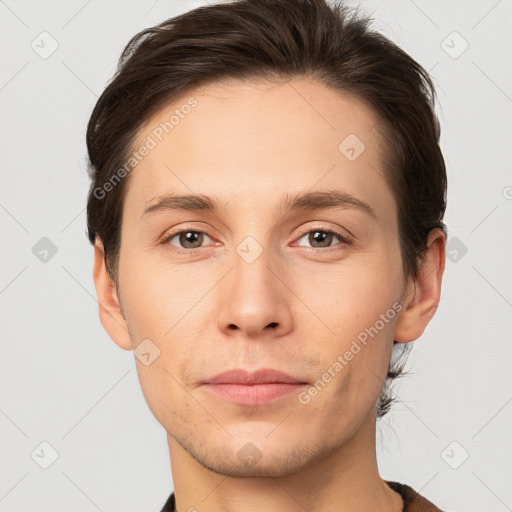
x=320 y=237
x=190 y=237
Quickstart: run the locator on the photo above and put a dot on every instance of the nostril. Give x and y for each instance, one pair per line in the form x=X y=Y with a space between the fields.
x=273 y=324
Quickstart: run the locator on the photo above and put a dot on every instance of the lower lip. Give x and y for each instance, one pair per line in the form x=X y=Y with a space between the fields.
x=255 y=394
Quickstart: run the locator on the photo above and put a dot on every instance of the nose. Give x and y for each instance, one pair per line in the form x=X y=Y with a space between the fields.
x=253 y=298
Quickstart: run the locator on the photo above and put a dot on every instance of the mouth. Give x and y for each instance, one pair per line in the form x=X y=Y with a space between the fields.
x=252 y=388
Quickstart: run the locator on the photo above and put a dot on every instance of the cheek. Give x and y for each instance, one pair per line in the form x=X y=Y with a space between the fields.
x=164 y=393
x=163 y=304
x=155 y=296
x=355 y=305
x=348 y=297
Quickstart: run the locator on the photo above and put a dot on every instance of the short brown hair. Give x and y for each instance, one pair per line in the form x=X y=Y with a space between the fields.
x=274 y=39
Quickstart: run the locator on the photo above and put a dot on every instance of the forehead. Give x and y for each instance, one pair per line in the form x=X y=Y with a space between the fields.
x=250 y=142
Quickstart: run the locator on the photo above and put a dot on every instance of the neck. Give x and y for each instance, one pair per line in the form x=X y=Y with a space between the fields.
x=346 y=480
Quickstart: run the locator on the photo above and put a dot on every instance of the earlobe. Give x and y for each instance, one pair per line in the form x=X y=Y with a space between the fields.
x=423 y=291
x=111 y=316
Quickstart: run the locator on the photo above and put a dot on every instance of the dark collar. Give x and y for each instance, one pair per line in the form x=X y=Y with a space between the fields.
x=413 y=501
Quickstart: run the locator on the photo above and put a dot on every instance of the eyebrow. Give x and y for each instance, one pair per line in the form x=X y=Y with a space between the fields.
x=290 y=203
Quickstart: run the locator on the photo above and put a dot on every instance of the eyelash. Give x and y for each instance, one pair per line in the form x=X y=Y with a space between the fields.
x=343 y=239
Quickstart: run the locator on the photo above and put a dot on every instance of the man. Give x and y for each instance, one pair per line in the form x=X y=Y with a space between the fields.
x=266 y=211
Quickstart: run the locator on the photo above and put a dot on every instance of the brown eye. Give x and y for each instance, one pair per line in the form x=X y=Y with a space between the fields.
x=188 y=239
x=322 y=238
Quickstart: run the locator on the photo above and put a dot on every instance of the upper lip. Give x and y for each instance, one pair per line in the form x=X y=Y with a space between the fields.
x=261 y=376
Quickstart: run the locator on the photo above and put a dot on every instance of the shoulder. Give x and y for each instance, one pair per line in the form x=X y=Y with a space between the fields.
x=169 y=504
x=413 y=501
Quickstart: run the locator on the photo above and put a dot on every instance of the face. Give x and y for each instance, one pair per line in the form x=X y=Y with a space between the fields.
x=261 y=275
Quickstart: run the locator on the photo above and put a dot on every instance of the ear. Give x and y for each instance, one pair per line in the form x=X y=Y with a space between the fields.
x=111 y=316
x=423 y=291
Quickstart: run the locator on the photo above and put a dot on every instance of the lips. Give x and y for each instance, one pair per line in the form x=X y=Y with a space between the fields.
x=252 y=388
x=262 y=376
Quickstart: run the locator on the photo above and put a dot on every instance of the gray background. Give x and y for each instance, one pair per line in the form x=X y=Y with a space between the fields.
x=64 y=382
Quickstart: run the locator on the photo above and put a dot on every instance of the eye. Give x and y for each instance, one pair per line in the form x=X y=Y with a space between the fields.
x=321 y=238
x=188 y=239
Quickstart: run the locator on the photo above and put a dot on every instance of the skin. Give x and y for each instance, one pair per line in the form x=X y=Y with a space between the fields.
x=209 y=310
